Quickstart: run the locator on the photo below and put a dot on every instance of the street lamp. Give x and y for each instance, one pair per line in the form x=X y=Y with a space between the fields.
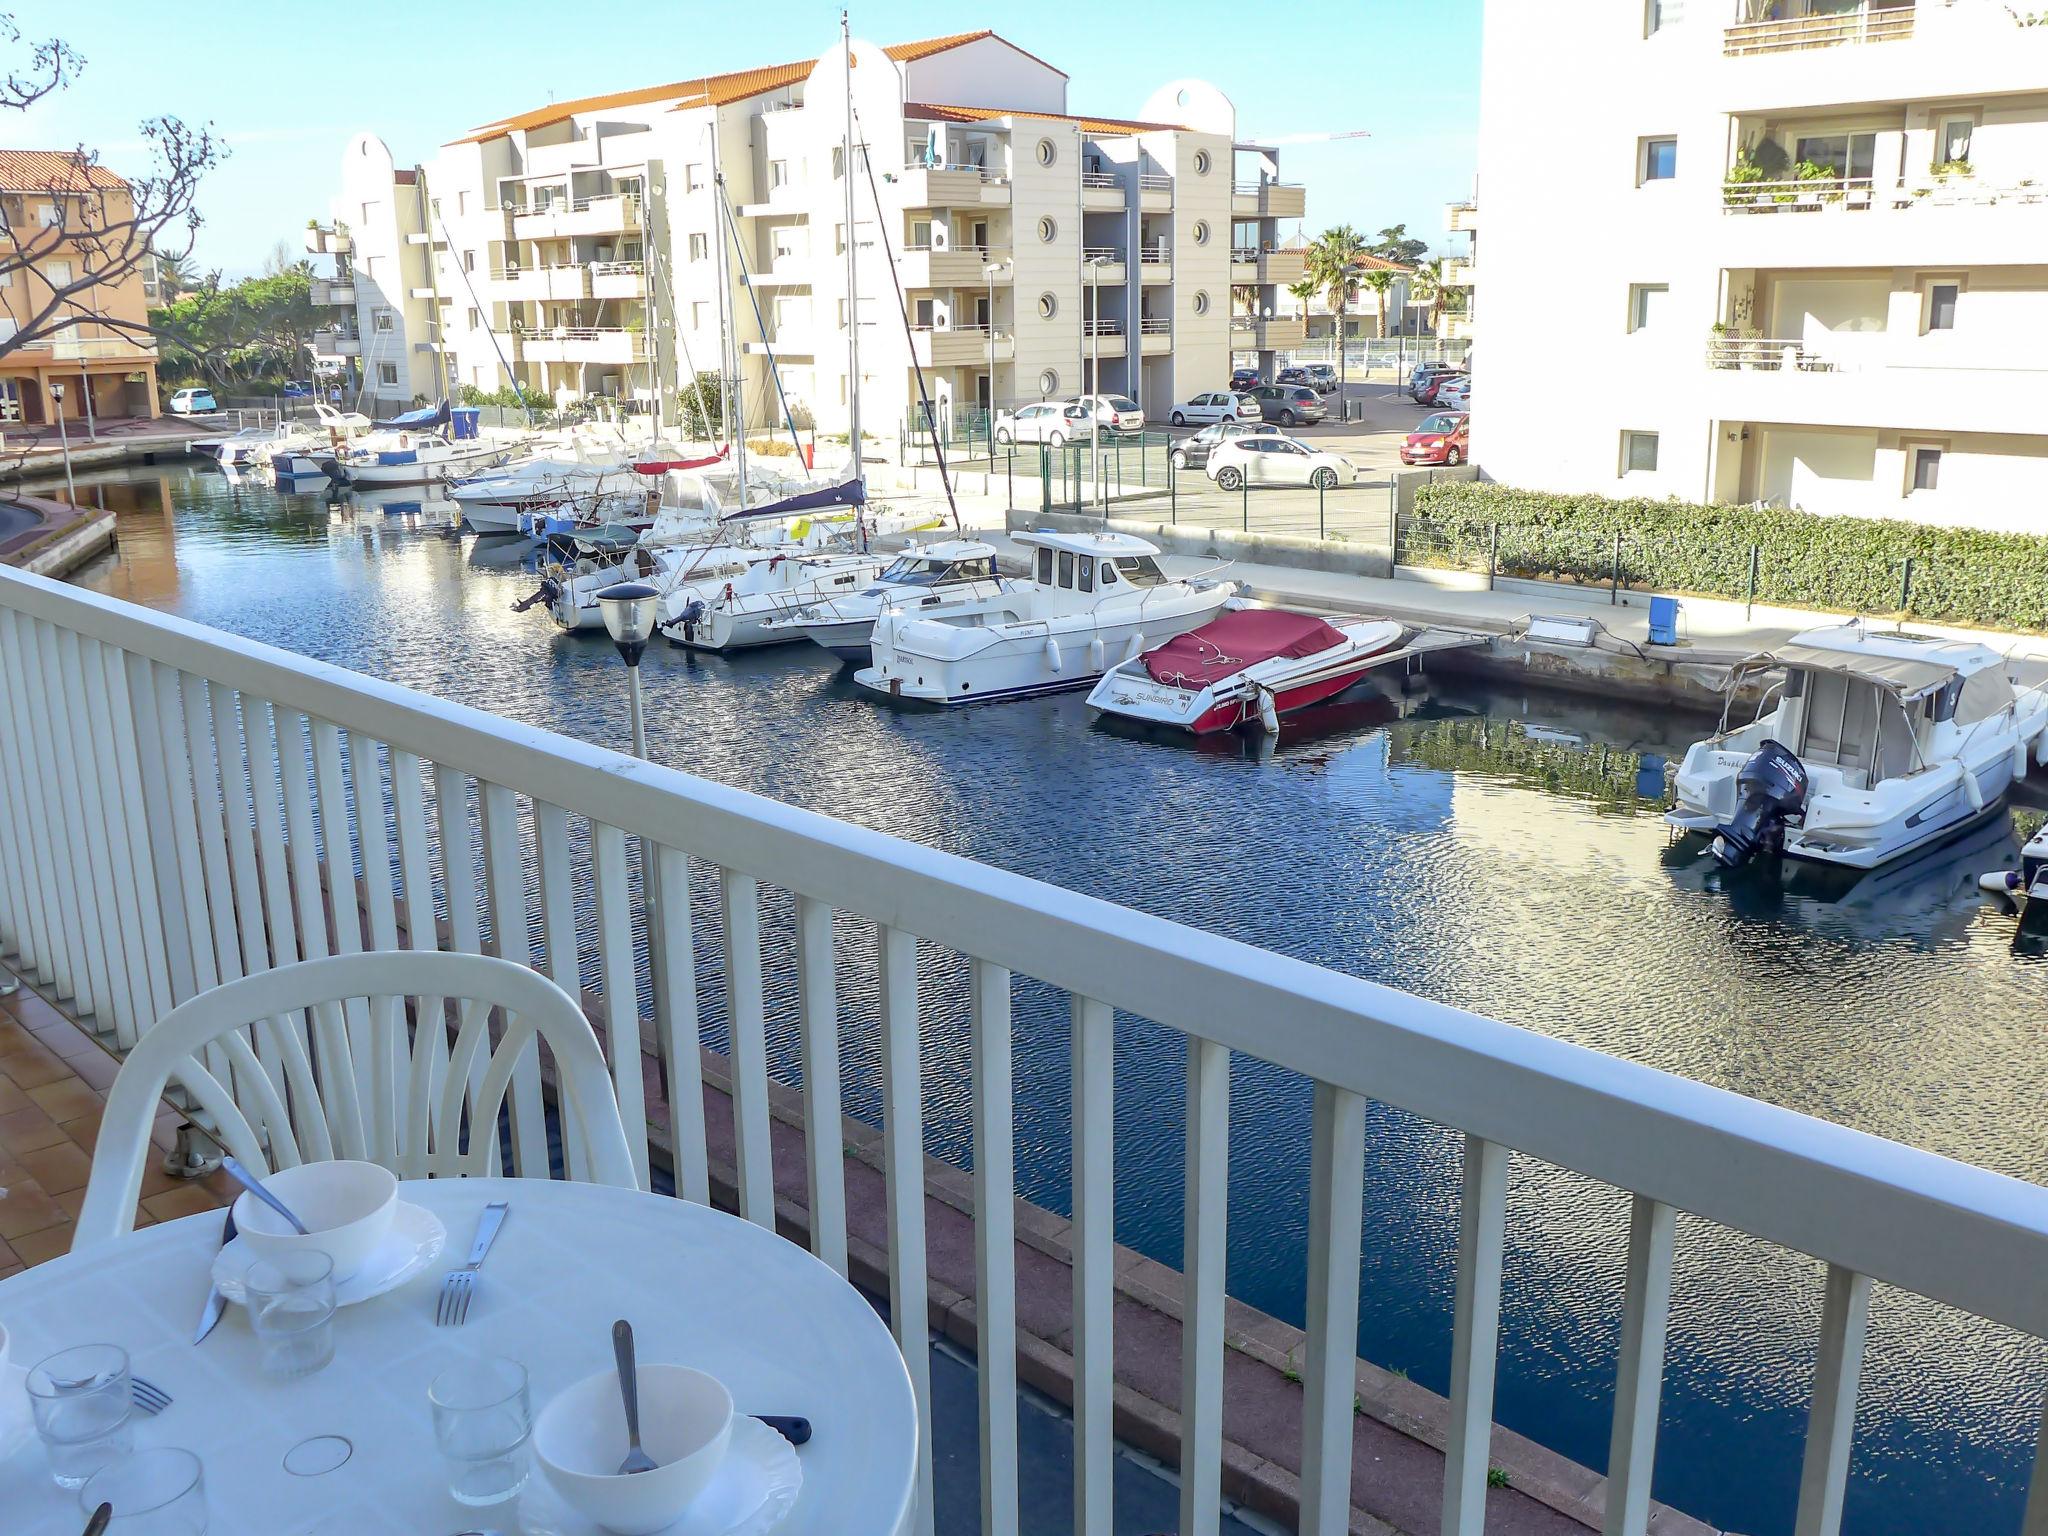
x=989 y=271
x=64 y=443
x=629 y=610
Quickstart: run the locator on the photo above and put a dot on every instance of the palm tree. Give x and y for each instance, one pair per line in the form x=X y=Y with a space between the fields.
x=1333 y=271
x=1304 y=291
x=1379 y=282
x=1430 y=290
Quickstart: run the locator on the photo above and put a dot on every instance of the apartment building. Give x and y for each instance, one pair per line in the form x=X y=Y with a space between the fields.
x=1362 y=317
x=1461 y=269
x=382 y=345
x=51 y=204
x=618 y=245
x=1807 y=249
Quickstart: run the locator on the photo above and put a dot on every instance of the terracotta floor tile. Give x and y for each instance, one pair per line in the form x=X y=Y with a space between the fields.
x=11 y=1097
x=27 y=1129
x=7 y=1254
x=95 y=1068
x=52 y=1243
x=8 y=1271
x=188 y=1201
x=26 y=1208
x=59 y=1168
x=33 y=1065
x=66 y=1099
x=14 y=1034
x=63 y=1037
x=85 y=1130
x=33 y=1011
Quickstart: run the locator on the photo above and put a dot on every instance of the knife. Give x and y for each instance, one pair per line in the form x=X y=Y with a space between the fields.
x=215 y=1302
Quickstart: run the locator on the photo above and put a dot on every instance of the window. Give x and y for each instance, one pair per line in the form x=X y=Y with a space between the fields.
x=1659 y=14
x=1048 y=382
x=924 y=314
x=476 y=320
x=387 y=374
x=1047 y=152
x=1201 y=232
x=1941 y=306
x=1955 y=140
x=838 y=161
x=1656 y=160
x=1087 y=582
x=1201 y=162
x=56 y=273
x=462 y=202
x=1108 y=574
x=700 y=314
x=839 y=315
x=783 y=240
x=1048 y=231
x=1201 y=302
x=920 y=234
x=384 y=320
x=1645 y=303
x=1925 y=466
x=1045 y=567
x=693 y=177
x=49 y=215
x=1851 y=155
x=1048 y=306
x=1066 y=568
x=778 y=174
x=6 y=279
x=699 y=247
x=1638 y=453
x=469 y=261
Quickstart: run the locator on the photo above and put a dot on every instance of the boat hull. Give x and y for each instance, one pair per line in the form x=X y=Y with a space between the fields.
x=1130 y=692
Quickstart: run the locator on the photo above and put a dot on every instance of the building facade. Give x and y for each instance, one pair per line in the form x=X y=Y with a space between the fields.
x=620 y=245
x=1362 y=317
x=1808 y=245
x=61 y=215
x=1461 y=269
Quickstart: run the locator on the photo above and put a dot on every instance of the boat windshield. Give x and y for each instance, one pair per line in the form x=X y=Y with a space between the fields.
x=916 y=571
x=1140 y=570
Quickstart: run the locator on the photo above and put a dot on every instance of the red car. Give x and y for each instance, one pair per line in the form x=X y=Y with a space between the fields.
x=1426 y=395
x=1444 y=438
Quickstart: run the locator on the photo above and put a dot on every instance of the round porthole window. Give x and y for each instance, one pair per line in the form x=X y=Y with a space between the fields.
x=1048 y=306
x=1182 y=99
x=1201 y=303
x=1047 y=152
x=1048 y=383
x=1201 y=232
x=1201 y=156
x=1048 y=231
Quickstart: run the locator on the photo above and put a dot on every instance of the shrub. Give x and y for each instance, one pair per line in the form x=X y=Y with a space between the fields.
x=1835 y=564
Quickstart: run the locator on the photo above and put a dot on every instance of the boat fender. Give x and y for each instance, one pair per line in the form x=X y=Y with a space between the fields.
x=1135 y=648
x=2041 y=747
x=1052 y=653
x=2000 y=882
x=2019 y=761
x=1972 y=790
x=1095 y=654
x=1269 y=712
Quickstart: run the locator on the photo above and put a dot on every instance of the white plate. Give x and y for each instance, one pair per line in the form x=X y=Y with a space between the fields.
x=415 y=1241
x=16 y=1421
x=750 y=1494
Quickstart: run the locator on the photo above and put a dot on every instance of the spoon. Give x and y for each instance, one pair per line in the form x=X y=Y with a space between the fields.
x=254 y=1185
x=98 y=1522
x=636 y=1460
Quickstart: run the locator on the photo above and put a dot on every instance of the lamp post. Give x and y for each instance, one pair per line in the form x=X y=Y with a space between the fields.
x=989 y=271
x=64 y=444
x=1095 y=367
x=629 y=610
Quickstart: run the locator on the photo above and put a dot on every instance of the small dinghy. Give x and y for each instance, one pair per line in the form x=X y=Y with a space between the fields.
x=1246 y=667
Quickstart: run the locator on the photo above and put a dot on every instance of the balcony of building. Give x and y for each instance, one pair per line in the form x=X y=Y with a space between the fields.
x=580 y=344
x=333 y=290
x=1104 y=264
x=1155 y=262
x=612 y=213
x=251 y=806
x=1267 y=200
x=1155 y=192
x=951 y=186
x=950 y=266
x=567 y=282
x=1102 y=192
x=1461 y=218
x=959 y=346
x=1796 y=26
x=793 y=340
x=1282 y=267
x=617 y=279
x=1103 y=337
x=1265 y=333
x=1459 y=272
x=328 y=240
x=337 y=343
x=1155 y=335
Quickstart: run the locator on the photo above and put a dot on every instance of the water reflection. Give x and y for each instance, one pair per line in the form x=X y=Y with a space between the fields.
x=1487 y=848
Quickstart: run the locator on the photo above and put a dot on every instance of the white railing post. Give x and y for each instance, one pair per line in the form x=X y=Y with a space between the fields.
x=1336 y=1215
x=678 y=1027
x=824 y=1157
x=1094 y=1227
x=621 y=987
x=995 y=1246
x=80 y=663
x=558 y=932
x=1475 y=1333
x=1201 y=1344
x=903 y=1181
x=1639 y=1370
x=387 y=1015
x=416 y=880
x=201 y=971
x=52 y=825
x=27 y=933
x=747 y=1031
x=1824 y=1471
x=512 y=933
x=106 y=683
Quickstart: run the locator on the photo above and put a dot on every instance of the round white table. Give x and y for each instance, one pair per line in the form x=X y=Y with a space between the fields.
x=784 y=1332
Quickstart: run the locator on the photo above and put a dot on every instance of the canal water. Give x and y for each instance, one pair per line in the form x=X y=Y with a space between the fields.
x=1486 y=847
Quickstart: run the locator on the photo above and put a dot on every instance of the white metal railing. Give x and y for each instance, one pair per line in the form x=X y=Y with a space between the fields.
x=1154 y=325
x=1154 y=256
x=1155 y=181
x=984 y=172
x=1862 y=193
x=1854 y=192
x=978 y=252
x=1102 y=327
x=1253 y=188
x=1767 y=353
x=85 y=349
x=234 y=787
x=1105 y=253
x=629 y=205
x=1099 y=179
x=618 y=269
x=1244 y=253
x=1866 y=23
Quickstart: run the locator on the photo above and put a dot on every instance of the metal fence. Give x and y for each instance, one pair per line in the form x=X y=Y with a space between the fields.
x=1396 y=354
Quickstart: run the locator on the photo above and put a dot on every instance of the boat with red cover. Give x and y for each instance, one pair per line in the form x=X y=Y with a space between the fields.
x=1248 y=666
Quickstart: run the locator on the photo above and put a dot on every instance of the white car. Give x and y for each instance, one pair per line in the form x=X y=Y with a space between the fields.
x=1276 y=460
x=1193 y=452
x=1117 y=413
x=1225 y=405
x=1455 y=394
x=1049 y=421
x=192 y=402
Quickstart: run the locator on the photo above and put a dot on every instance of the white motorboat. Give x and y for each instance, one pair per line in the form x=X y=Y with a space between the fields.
x=1247 y=666
x=1879 y=743
x=417 y=458
x=1096 y=600
x=251 y=445
x=733 y=614
x=948 y=579
x=500 y=500
x=316 y=451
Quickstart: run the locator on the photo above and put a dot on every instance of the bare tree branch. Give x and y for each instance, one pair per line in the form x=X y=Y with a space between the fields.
x=50 y=67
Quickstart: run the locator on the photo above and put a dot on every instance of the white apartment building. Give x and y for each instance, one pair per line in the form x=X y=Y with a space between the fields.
x=382 y=344
x=579 y=247
x=1461 y=269
x=1806 y=249
x=1361 y=315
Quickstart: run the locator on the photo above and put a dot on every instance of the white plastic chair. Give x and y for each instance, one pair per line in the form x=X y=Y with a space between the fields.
x=244 y=1053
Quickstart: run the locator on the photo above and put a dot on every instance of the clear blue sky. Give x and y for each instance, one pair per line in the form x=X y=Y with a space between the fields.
x=287 y=84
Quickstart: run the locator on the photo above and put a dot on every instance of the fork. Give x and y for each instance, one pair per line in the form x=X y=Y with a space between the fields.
x=458 y=1284
x=149 y=1397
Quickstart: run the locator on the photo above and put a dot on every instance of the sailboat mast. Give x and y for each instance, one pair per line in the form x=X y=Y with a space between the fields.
x=852 y=261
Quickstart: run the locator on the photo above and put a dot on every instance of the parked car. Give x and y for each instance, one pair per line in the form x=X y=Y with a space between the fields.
x=1193 y=452
x=1048 y=421
x=1423 y=380
x=1427 y=394
x=1117 y=413
x=1291 y=376
x=1444 y=438
x=1244 y=378
x=192 y=402
x=1223 y=405
x=1455 y=394
x=1322 y=378
x=1289 y=404
x=1276 y=460
x=298 y=389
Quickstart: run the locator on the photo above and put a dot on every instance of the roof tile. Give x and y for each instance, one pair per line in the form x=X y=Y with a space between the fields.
x=34 y=170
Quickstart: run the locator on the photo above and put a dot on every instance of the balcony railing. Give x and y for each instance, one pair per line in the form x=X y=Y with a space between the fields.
x=1856 y=194
x=618 y=269
x=1768 y=354
x=1155 y=325
x=1099 y=179
x=1240 y=254
x=238 y=790
x=1154 y=255
x=1102 y=327
x=1153 y=181
x=1865 y=24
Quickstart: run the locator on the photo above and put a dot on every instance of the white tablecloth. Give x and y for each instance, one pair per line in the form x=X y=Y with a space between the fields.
x=702 y=1288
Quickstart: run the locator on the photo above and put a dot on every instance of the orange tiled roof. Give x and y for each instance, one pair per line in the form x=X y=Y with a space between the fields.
x=34 y=170
x=714 y=90
x=947 y=114
x=1365 y=261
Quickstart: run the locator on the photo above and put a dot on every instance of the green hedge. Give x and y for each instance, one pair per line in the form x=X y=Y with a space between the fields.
x=1836 y=564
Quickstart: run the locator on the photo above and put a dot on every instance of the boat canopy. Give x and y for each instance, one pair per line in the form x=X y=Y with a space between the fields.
x=1906 y=676
x=1229 y=643
x=1102 y=545
x=414 y=421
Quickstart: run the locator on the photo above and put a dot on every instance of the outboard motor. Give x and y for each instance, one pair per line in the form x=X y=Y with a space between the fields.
x=693 y=615
x=1773 y=786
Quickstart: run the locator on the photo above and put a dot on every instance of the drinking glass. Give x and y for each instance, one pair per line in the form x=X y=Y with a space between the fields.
x=83 y=1402
x=482 y=1417
x=154 y=1493
x=291 y=1307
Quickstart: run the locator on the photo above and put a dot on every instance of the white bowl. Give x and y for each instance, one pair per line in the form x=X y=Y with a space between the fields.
x=580 y=1439
x=347 y=1208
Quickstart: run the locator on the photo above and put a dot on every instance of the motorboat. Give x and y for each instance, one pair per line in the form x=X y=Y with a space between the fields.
x=417 y=458
x=1878 y=743
x=251 y=445
x=1245 y=667
x=1095 y=600
x=734 y=613
x=319 y=451
x=503 y=499
x=947 y=579
x=2027 y=886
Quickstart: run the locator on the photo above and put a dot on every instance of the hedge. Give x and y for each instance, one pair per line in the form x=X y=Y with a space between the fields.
x=1802 y=560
